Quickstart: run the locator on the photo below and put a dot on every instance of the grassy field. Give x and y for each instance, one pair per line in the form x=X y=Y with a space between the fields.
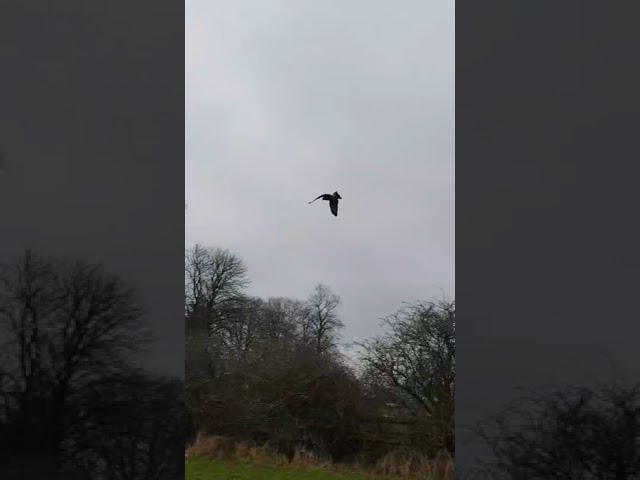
x=203 y=469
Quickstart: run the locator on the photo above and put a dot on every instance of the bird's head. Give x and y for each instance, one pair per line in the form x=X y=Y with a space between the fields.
x=337 y=195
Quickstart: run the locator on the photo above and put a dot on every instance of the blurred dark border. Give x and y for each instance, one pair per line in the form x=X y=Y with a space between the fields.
x=92 y=149
x=547 y=239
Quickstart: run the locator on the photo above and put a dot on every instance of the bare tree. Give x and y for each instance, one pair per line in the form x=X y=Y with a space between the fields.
x=282 y=318
x=66 y=322
x=70 y=328
x=238 y=325
x=212 y=275
x=567 y=432
x=321 y=325
x=417 y=355
x=415 y=360
x=214 y=280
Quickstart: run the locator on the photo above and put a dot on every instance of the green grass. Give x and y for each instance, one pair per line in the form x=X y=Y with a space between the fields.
x=203 y=469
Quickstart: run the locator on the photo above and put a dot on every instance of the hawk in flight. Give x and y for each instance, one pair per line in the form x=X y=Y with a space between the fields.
x=333 y=201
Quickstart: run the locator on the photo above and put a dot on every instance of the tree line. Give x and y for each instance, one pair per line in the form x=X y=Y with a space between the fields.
x=271 y=370
x=74 y=404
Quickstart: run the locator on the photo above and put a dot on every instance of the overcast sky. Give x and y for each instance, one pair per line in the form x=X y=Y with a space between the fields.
x=286 y=100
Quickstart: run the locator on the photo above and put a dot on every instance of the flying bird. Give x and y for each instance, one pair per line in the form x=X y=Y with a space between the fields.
x=333 y=201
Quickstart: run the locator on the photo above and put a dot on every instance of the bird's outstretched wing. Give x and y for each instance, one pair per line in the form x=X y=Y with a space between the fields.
x=319 y=197
x=333 y=205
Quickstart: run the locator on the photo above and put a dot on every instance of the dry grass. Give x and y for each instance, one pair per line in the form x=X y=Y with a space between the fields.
x=397 y=464
x=407 y=464
x=216 y=447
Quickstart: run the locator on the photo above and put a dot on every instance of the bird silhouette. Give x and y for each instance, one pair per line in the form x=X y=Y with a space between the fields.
x=333 y=201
